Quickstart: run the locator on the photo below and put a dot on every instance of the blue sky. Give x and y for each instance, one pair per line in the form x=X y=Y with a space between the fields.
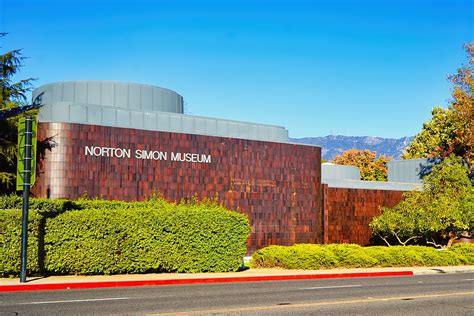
x=369 y=67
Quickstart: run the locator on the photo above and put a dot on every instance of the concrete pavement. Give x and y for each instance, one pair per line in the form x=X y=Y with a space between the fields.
x=250 y=275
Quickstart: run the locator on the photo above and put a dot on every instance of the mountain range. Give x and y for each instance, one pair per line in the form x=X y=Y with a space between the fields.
x=333 y=145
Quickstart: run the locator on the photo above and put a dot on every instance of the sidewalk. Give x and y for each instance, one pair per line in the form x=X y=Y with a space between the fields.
x=250 y=275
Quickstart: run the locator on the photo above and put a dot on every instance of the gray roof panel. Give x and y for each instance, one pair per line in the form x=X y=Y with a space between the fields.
x=129 y=105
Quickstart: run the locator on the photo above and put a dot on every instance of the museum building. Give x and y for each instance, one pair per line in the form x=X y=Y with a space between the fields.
x=125 y=141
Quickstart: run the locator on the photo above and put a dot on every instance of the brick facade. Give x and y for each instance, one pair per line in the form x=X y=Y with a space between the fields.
x=277 y=185
x=348 y=212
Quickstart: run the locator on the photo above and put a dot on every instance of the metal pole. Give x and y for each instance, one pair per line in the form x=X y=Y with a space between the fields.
x=26 y=195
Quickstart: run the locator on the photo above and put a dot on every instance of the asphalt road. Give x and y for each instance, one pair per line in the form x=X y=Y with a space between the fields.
x=443 y=294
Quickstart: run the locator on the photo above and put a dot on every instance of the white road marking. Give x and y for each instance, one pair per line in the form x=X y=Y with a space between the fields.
x=468 y=280
x=330 y=287
x=78 y=301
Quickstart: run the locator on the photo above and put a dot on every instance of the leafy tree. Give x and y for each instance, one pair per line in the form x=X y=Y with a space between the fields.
x=399 y=222
x=13 y=99
x=442 y=211
x=450 y=130
x=13 y=95
x=371 y=168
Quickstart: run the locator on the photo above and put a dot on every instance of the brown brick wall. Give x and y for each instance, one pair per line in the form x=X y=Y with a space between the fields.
x=277 y=185
x=348 y=212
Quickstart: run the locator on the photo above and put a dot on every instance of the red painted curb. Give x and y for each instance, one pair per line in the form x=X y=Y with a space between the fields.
x=109 y=284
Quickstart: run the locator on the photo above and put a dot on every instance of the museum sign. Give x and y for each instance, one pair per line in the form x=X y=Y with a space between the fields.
x=146 y=154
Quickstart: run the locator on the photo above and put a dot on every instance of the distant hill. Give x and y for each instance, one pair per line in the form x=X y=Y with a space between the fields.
x=333 y=145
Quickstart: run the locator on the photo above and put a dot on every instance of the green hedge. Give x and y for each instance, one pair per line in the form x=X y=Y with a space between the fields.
x=310 y=256
x=295 y=257
x=465 y=250
x=100 y=237
x=42 y=205
x=10 y=241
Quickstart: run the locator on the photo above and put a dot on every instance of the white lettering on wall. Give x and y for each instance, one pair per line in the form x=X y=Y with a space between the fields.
x=144 y=154
x=107 y=152
x=88 y=151
x=190 y=157
x=176 y=157
x=151 y=154
x=206 y=158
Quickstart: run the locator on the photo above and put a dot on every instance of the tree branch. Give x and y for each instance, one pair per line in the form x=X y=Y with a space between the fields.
x=433 y=242
x=406 y=241
x=385 y=240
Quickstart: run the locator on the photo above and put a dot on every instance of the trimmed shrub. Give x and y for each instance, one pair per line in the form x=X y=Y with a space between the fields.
x=379 y=253
x=435 y=257
x=464 y=250
x=351 y=256
x=400 y=256
x=41 y=205
x=345 y=255
x=151 y=236
x=10 y=242
x=270 y=257
x=302 y=256
x=8 y=202
x=184 y=238
x=308 y=256
x=112 y=205
x=44 y=205
x=393 y=256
